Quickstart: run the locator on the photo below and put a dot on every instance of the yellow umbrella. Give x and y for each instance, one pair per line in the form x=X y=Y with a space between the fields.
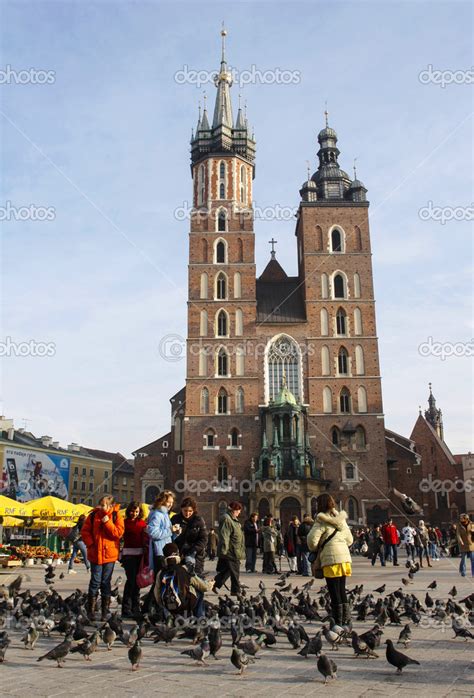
x=83 y=508
x=9 y=507
x=61 y=523
x=11 y=522
x=52 y=508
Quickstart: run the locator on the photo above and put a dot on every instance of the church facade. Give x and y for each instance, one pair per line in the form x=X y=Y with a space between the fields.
x=283 y=390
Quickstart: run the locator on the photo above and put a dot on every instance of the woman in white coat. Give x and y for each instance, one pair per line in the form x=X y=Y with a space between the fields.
x=330 y=530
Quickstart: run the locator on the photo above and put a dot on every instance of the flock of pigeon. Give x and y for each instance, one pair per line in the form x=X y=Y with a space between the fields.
x=268 y=619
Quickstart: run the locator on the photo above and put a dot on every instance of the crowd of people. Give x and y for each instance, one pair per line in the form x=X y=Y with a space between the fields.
x=167 y=552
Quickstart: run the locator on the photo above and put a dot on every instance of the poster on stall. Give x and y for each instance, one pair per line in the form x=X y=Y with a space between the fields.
x=33 y=474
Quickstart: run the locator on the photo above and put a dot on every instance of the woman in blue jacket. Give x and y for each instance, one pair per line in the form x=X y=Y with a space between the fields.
x=160 y=529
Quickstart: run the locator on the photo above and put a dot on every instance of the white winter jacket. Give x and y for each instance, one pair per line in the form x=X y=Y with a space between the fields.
x=337 y=550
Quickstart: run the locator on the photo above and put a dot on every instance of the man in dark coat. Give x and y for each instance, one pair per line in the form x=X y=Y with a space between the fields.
x=192 y=539
x=251 y=533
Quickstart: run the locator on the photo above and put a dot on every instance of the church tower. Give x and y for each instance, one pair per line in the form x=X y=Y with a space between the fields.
x=221 y=375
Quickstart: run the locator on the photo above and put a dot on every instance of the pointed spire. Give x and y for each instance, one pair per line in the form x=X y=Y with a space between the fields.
x=240 y=122
x=205 y=121
x=223 y=81
x=198 y=125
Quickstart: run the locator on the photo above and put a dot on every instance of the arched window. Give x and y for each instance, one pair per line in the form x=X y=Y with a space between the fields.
x=344 y=401
x=359 y=356
x=319 y=238
x=362 y=399
x=234 y=438
x=204 y=401
x=335 y=436
x=222 y=190
x=336 y=240
x=237 y=285
x=222 y=401
x=222 y=324
x=221 y=286
x=200 y=185
x=240 y=250
x=239 y=400
x=221 y=252
x=339 y=286
x=204 y=253
x=203 y=323
x=349 y=471
x=222 y=472
x=357 y=321
x=283 y=359
x=356 y=285
x=327 y=400
x=202 y=362
x=210 y=438
x=341 y=322
x=222 y=362
x=324 y=322
x=239 y=323
x=222 y=182
x=358 y=239
x=325 y=361
x=360 y=438
x=243 y=184
x=352 y=509
x=239 y=361
x=222 y=221
x=343 y=362
x=204 y=285
x=324 y=286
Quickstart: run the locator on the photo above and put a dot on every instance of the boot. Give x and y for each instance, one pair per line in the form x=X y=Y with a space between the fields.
x=91 y=606
x=339 y=613
x=346 y=613
x=105 y=605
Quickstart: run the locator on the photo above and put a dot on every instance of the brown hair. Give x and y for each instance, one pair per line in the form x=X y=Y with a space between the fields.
x=162 y=499
x=189 y=502
x=134 y=505
x=324 y=503
x=107 y=499
x=235 y=506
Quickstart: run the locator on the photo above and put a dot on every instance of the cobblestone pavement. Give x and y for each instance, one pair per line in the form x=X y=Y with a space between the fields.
x=446 y=664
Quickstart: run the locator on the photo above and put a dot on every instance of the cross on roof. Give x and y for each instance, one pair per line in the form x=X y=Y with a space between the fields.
x=273 y=242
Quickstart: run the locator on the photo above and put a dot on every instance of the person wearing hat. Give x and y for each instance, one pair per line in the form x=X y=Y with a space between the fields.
x=465 y=538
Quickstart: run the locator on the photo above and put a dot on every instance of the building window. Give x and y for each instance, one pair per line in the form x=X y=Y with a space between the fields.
x=239 y=323
x=106 y=474
x=91 y=486
x=222 y=472
x=362 y=399
x=341 y=322
x=91 y=472
x=210 y=438
x=335 y=436
x=324 y=317
x=357 y=321
x=344 y=401
x=343 y=362
x=356 y=285
x=76 y=470
x=324 y=286
x=106 y=487
x=325 y=361
x=222 y=362
x=237 y=285
x=283 y=361
x=327 y=400
x=221 y=286
x=222 y=324
x=75 y=485
x=204 y=401
x=408 y=471
x=204 y=285
x=336 y=240
x=180 y=460
x=165 y=444
x=222 y=222
x=84 y=472
x=360 y=364
x=203 y=323
x=234 y=438
x=239 y=400
x=352 y=509
x=220 y=252
x=222 y=173
x=202 y=362
x=83 y=486
x=339 y=286
x=349 y=471
x=243 y=185
x=222 y=401
x=124 y=481
x=360 y=438
x=358 y=239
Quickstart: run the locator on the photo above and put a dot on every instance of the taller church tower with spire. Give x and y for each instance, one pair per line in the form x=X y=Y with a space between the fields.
x=283 y=386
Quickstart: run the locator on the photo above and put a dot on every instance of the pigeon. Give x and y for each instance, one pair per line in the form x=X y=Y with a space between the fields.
x=429 y=603
x=405 y=636
x=215 y=641
x=396 y=658
x=405 y=581
x=251 y=647
x=30 y=637
x=361 y=650
x=380 y=590
x=163 y=633
x=331 y=637
x=313 y=646
x=59 y=653
x=135 y=655
x=108 y=636
x=240 y=660
x=461 y=630
x=86 y=648
x=199 y=653
x=4 y=642
x=327 y=668
x=433 y=584
x=453 y=592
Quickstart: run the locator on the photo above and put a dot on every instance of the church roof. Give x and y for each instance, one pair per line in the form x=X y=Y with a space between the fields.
x=284 y=397
x=273 y=272
x=280 y=301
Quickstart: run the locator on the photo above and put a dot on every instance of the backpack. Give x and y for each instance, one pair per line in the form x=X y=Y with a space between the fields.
x=174 y=589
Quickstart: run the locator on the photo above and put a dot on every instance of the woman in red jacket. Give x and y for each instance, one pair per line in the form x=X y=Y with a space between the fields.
x=101 y=532
x=135 y=541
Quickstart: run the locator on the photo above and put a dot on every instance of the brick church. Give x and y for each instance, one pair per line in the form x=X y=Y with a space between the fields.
x=283 y=394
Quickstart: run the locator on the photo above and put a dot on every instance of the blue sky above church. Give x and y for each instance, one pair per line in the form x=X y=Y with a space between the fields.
x=106 y=145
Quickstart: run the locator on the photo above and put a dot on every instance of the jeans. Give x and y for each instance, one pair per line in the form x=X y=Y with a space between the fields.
x=378 y=553
x=250 y=559
x=131 y=592
x=200 y=607
x=305 y=566
x=76 y=546
x=462 y=564
x=228 y=567
x=269 y=566
x=391 y=552
x=410 y=548
x=293 y=563
x=101 y=577
x=433 y=550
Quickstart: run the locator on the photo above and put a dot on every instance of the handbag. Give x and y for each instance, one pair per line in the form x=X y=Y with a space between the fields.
x=145 y=575
x=316 y=567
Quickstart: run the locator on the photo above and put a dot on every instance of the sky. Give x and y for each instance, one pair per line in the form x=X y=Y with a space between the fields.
x=95 y=122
